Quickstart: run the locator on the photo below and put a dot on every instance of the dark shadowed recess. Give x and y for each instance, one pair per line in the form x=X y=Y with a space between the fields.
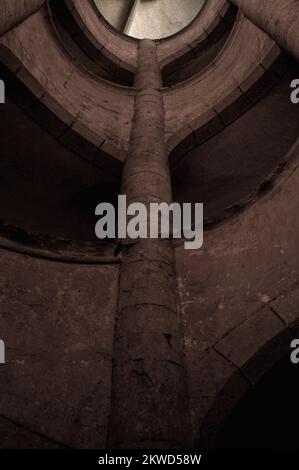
x=230 y=169
x=267 y=416
x=46 y=189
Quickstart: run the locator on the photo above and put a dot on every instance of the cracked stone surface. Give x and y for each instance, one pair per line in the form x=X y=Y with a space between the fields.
x=57 y=321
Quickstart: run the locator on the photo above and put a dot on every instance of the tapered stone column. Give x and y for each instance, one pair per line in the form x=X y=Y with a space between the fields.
x=149 y=399
x=13 y=12
x=278 y=18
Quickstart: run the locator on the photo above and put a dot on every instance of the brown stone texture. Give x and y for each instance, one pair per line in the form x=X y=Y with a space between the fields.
x=142 y=343
x=279 y=18
x=58 y=321
x=14 y=12
x=238 y=294
x=148 y=349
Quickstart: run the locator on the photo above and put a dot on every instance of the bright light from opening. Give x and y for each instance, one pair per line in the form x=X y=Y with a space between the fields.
x=152 y=19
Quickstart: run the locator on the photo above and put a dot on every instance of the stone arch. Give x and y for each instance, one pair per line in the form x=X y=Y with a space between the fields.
x=248 y=353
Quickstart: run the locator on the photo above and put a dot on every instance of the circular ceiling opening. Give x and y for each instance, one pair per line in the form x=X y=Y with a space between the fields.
x=151 y=19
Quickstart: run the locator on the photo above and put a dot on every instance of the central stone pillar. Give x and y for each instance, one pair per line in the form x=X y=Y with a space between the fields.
x=13 y=12
x=149 y=398
x=278 y=18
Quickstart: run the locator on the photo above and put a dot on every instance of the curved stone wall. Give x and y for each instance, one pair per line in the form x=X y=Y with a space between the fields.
x=231 y=135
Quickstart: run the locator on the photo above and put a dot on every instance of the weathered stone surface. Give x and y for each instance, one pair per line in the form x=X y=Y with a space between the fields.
x=228 y=288
x=159 y=19
x=287 y=306
x=243 y=343
x=278 y=18
x=57 y=321
x=238 y=294
x=148 y=348
x=13 y=12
